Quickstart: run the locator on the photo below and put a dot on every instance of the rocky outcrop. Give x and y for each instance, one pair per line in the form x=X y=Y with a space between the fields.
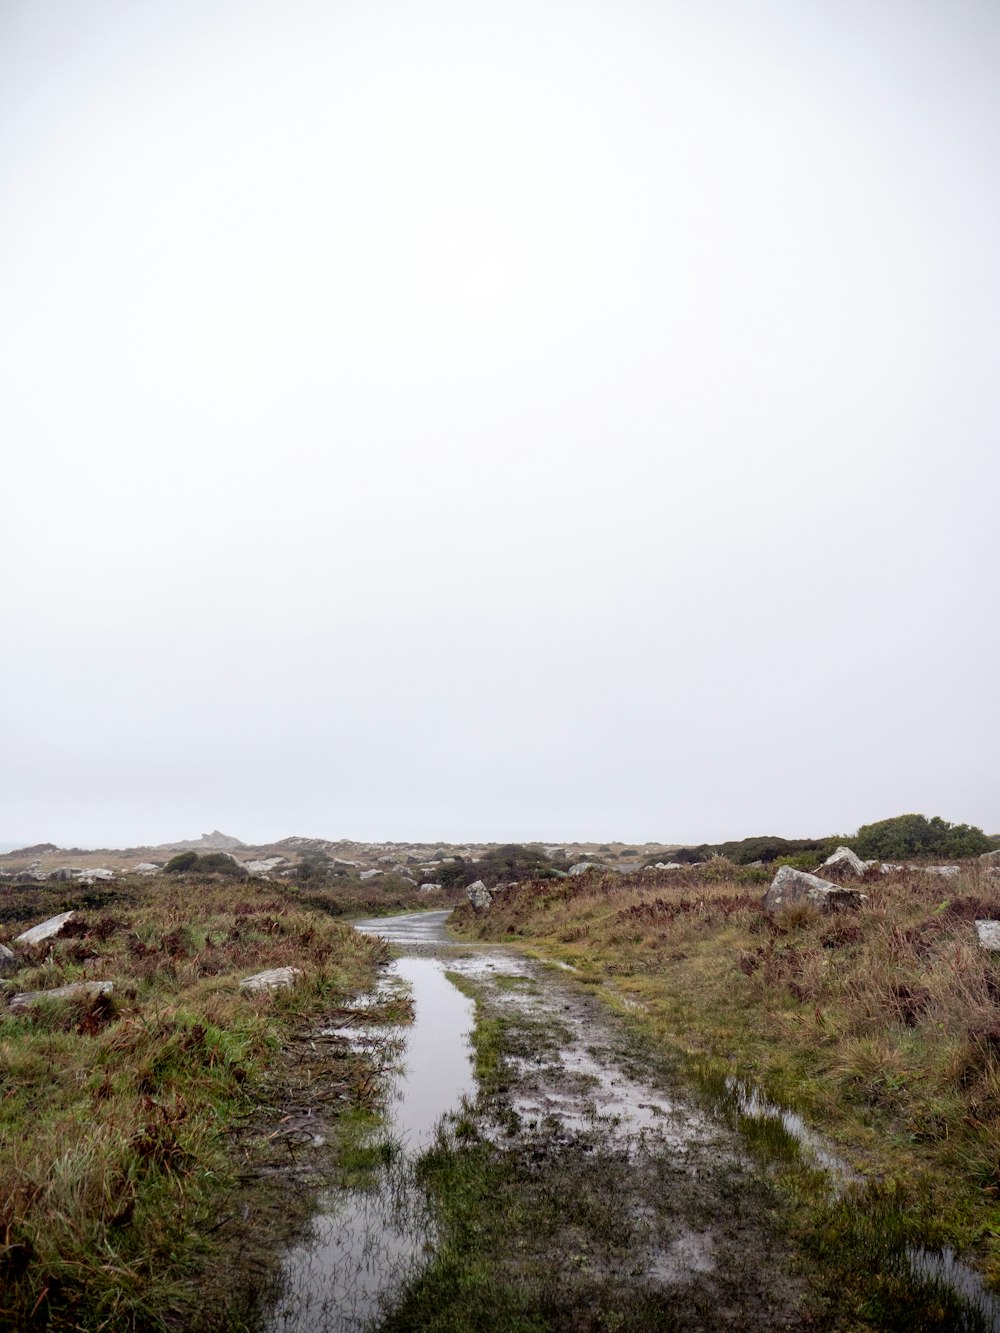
x=208 y=842
x=845 y=862
x=795 y=886
x=46 y=930
x=479 y=895
x=27 y=998
x=273 y=979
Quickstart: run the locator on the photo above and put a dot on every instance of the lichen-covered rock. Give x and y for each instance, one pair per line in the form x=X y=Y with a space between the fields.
x=263 y=867
x=582 y=867
x=10 y=962
x=272 y=979
x=947 y=871
x=145 y=868
x=479 y=895
x=989 y=935
x=27 y=998
x=795 y=886
x=46 y=930
x=430 y=888
x=845 y=862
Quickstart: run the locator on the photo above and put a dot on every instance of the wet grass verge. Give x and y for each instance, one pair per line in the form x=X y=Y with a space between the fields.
x=162 y=1139
x=536 y=1227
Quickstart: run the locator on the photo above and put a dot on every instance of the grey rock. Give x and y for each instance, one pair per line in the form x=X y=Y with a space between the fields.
x=98 y=873
x=46 y=930
x=989 y=935
x=430 y=888
x=479 y=895
x=10 y=962
x=27 y=998
x=582 y=867
x=273 y=979
x=795 y=886
x=664 y=865
x=263 y=867
x=991 y=856
x=370 y=874
x=947 y=871
x=145 y=868
x=846 y=862
x=62 y=873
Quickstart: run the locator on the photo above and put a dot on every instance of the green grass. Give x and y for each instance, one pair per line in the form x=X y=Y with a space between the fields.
x=146 y=1182
x=882 y=1028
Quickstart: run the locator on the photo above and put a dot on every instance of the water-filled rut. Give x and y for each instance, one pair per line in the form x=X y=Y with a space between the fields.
x=689 y=1228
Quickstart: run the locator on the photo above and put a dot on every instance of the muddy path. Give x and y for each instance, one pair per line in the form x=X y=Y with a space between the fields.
x=573 y=1187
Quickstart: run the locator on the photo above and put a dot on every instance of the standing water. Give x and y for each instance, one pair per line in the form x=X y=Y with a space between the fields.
x=364 y=1245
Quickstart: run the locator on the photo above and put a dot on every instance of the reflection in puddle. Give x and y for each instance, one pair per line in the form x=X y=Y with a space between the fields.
x=363 y=1246
x=941 y=1267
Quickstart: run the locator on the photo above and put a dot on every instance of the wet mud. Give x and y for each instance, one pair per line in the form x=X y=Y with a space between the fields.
x=620 y=1197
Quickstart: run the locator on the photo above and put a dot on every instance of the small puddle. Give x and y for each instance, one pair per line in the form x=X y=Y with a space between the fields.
x=364 y=1245
x=938 y=1267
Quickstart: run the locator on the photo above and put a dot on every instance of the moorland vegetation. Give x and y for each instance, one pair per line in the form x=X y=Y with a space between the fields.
x=880 y=1026
x=148 y=1179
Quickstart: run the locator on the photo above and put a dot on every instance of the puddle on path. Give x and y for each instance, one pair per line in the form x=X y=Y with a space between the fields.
x=364 y=1245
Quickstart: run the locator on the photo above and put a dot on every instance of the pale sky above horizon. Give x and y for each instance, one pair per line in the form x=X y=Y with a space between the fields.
x=503 y=422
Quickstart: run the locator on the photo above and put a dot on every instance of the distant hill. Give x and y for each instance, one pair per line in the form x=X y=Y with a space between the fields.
x=208 y=842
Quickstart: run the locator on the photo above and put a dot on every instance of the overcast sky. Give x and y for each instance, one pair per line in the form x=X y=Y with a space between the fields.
x=445 y=419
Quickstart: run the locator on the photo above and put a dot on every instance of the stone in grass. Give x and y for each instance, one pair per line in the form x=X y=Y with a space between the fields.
x=582 y=867
x=795 y=886
x=479 y=895
x=430 y=888
x=9 y=962
x=272 y=979
x=27 y=998
x=47 y=930
x=989 y=935
x=845 y=862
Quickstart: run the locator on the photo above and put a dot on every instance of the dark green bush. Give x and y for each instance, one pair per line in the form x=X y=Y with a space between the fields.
x=915 y=835
x=182 y=861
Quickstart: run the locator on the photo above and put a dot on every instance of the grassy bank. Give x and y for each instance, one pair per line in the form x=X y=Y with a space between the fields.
x=881 y=1027
x=154 y=1157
